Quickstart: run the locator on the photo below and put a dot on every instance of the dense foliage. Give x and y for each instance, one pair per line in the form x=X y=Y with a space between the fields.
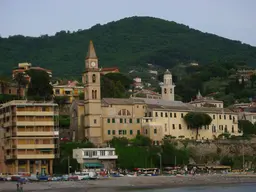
x=128 y=43
x=140 y=152
x=247 y=127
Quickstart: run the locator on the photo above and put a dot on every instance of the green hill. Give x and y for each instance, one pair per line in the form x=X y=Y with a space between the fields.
x=127 y=43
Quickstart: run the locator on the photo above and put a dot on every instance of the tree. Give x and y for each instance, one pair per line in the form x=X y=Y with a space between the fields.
x=61 y=100
x=196 y=120
x=39 y=87
x=21 y=81
x=141 y=140
x=246 y=127
x=4 y=83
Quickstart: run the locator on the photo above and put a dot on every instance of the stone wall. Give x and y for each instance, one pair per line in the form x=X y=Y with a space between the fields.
x=212 y=152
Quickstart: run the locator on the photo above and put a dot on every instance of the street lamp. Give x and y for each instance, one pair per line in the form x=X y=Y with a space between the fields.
x=159 y=154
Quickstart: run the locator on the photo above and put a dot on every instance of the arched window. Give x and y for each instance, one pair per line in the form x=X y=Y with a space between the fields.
x=92 y=94
x=93 y=78
x=124 y=112
x=95 y=94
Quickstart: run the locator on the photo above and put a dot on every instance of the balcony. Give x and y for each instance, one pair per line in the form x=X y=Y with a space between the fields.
x=101 y=157
x=35 y=146
x=38 y=133
x=35 y=123
x=35 y=156
x=35 y=113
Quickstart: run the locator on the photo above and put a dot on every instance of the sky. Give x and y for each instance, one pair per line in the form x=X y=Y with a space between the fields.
x=233 y=19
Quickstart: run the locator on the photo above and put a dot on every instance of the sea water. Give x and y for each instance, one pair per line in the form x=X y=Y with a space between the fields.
x=226 y=188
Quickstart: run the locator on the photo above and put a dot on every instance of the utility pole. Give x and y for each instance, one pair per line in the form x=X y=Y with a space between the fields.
x=243 y=156
x=159 y=154
x=68 y=165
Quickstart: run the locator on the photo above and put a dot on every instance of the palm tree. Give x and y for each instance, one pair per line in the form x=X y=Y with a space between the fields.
x=21 y=81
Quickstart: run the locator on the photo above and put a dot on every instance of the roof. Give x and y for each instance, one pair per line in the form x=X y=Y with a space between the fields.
x=91 y=54
x=167 y=72
x=110 y=69
x=205 y=100
x=121 y=101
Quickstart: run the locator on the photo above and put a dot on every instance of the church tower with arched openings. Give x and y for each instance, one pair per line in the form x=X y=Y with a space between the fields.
x=168 y=87
x=92 y=97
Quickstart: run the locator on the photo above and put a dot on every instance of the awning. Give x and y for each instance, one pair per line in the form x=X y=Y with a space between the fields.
x=93 y=165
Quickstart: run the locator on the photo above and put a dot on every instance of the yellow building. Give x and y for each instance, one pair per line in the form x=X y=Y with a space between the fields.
x=30 y=136
x=100 y=119
x=71 y=92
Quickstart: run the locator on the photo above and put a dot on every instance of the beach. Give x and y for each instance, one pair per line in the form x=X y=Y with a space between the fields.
x=130 y=183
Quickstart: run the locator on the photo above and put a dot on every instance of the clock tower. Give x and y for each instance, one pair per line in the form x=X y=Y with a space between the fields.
x=92 y=97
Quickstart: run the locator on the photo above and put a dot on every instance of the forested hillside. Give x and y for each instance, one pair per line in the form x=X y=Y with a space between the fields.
x=127 y=43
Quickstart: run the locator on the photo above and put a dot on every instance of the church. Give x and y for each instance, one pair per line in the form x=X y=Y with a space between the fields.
x=100 y=119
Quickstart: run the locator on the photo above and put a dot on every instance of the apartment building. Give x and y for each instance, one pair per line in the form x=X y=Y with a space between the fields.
x=30 y=136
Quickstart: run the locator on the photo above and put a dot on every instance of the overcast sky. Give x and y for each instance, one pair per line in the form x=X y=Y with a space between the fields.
x=234 y=19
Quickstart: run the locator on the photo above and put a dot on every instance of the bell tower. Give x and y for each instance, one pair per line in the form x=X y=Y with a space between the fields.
x=168 y=87
x=92 y=97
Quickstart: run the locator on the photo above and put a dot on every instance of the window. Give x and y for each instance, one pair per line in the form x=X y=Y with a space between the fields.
x=166 y=114
x=131 y=132
x=173 y=126
x=233 y=130
x=230 y=117
x=155 y=131
x=124 y=112
x=93 y=78
x=130 y=120
x=124 y=132
x=95 y=121
x=138 y=132
x=226 y=129
x=146 y=131
x=108 y=120
x=120 y=132
x=174 y=115
x=57 y=91
x=179 y=126
x=138 y=120
x=113 y=120
x=102 y=153
x=121 y=120
x=181 y=115
x=220 y=116
x=109 y=132
x=113 y=132
x=124 y=120
x=161 y=114
x=156 y=114
x=171 y=115
x=94 y=94
x=213 y=116
x=224 y=116
x=165 y=91
x=150 y=114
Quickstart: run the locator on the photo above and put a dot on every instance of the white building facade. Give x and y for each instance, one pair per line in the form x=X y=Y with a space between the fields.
x=95 y=158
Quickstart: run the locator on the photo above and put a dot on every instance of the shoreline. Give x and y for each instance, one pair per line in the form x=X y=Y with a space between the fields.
x=132 y=183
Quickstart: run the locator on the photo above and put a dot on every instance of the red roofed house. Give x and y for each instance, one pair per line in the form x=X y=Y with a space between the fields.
x=23 y=67
x=105 y=71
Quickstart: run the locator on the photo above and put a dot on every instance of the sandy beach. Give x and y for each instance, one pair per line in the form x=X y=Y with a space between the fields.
x=129 y=183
